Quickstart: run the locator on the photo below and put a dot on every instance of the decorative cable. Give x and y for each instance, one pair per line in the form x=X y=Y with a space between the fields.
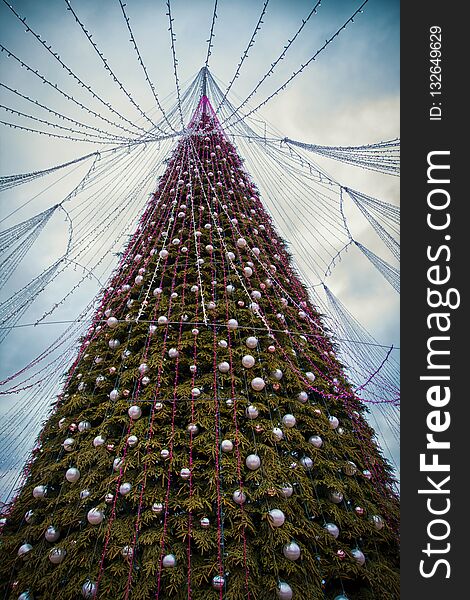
x=175 y=61
x=211 y=35
x=391 y=274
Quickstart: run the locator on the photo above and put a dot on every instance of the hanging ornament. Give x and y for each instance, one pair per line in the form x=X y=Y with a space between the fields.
x=239 y=497
x=84 y=426
x=52 y=533
x=163 y=253
x=341 y=597
x=61 y=423
x=127 y=552
x=251 y=342
x=258 y=384
x=193 y=368
x=89 y=589
x=377 y=521
x=332 y=529
x=143 y=368
x=335 y=496
x=112 y=322
x=232 y=324
x=241 y=243
x=135 y=412
x=72 y=475
x=358 y=556
x=229 y=402
x=350 y=468
x=276 y=517
x=132 y=440
x=156 y=292
x=29 y=516
x=193 y=428
x=359 y=511
x=145 y=380
x=252 y=412
x=289 y=420
x=26 y=596
x=125 y=488
x=277 y=434
x=162 y=320
x=205 y=523
x=291 y=551
x=253 y=462
x=173 y=353
x=287 y=490
x=367 y=474
x=284 y=591
x=256 y=295
x=316 y=441
x=333 y=422
x=223 y=367
x=303 y=397
x=84 y=494
x=248 y=361
x=310 y=376
x=277 y=374
x=117 y=463
x=24 y=550
x=113 y=344
x=194 y=288
x=152 y=329
x=218 y=582
x=307 y=462
x=196 y=392
x=57 y=555
x=185 y=473
x=114 y=395
x=68 y=444
x=195 y=331
x=341 y=554
x=157 y=507
x=109 y=498
x=95 y=516
x=165 y=453
x=223 y=344
x=158 y=406
x=226 y=446
x=169 y=561
x=230 y=288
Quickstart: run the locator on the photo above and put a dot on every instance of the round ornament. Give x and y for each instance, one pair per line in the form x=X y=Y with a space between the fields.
x=251 y=342
x=333 y=422
x=276 y=517
x=157 y=508
x=205 y=523
x=302 y=397
x=335 y=496
x=223 y=344
x=57 y=555
x=284 y=591
x=258 y=384
x=196 y=392
x=135 y=412
x=89 y=589
x=316 y=441
x=114 y=395
x=95 y=516
x=218 y=582
x=226 y=446
x=173 y=353
x=52 y=534
x=29 y=516
x=127 y=552
x=232 y=324
x=289 y=420
x=349 y=468
x=24 y=550
x=378 y=522
x=248 y=361
x=277 y=434
x=341 y=597
x=169 y=561
x=39 y=491
x=277 y=374
x=185 y=473
x=145 y=380
x=125 y=488
x=291 y=551
x=84 y=426
x=239 y=497
x=224 y=367
x=193 y=428
x=287 y=490
x=307 y=462
x=253 y=462
x=68 y=444
x=332 y=529
x=252 y=412
x=112 y=322
x=143 y=368
x=132 y=440
x=84 y=494
x=72 y=475
x=358 y=556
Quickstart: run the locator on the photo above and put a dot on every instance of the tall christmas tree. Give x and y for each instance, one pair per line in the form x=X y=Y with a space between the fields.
x=206 y=443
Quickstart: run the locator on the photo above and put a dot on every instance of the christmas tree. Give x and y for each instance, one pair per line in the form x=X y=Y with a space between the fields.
x=206 y=443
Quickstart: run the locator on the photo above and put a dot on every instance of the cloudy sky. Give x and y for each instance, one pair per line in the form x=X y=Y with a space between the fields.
x=348 y=96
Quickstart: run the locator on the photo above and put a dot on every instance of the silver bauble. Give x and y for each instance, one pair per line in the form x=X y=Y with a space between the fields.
x=67 y=444
x=289 y=420
x=358 y=556
x=24 y=550
x=109 y=498
x=284 y=591
x=84 y=426
x=114 y=395
x=145 y=380
x=84 y=494
x=132 y=440
x=72 y=475
x=223 y=344
x=117 y=463
x=335 y=496
x=223 y=367
x=52 y=533
x=251 y=342
x=173 y=353
x=239 y=497
x=291 y=551
x=232 y=324
x=226 y=446
x=277 y=434
x=258 y=384
x=162 y=320
x=316 y=441
x=165 y=453
x=135 y=412
x=185 y=473
x=39 y=491
x=252 y=412
x=205 y=523
x=89 y=589
x=333 y=422
x=125 y=488
x=248 y=361
x=127 y=552
x=143 y=368
x=310 y=376
x=218 y=582
x=332 y=529
x=192 y=428
x=306 y=462
x=157 y=508
x=377 y=521
x=95 y=516
x=350 y=468
x=276 y=517
x=253 y=462
x=57 y=555
x=196 y=392
x=277 y=374
x=287 y=490
x=302 y=397
x=112 y=322
x=169 y=561
x=29 y=516
x=113 y=344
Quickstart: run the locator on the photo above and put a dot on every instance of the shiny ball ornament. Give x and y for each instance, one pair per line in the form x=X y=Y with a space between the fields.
x=289 y=420
x=113 y=344
x=358 y=556
x=256 y=251
x=332 y=529
x=248 y=361
x=163 y=254
x=276 y=517
x=145 y=380
x=135 y=412
x=333 y=422
x=61 y=423
x=229 y=402
x=277 y=434
x=302 y=397
x=205 y=523
x=226 y=445
x=349 y=468
x=341 y=554
x=230 y=289
x=277 y=374
x=173 y=353
x=335 y=496
x=157 y=291
x=112 y=322
x=307 y=462
x=232 y=324
x=367 y=474
x=248 y=271
x=152 y=329
x=256 y=295
x=52 y=534
x=24 y=550
x=109 y=498
x=84 y=426
x=341 y=597
x=185 y=473
x=125 y=488
x=89 y=589
x=258 y=384
x=132 y=440
x=223 y=367
x=68 y=444
x=252 y=412
x=192 y=428
x=239 y=497
x=291 y=551
x=99 y=441
x=316 y=441
x=158 y=405
x=253 y=462
x=218 y=582
x=287 y=490
x=230 y=256
x=127 y=552
x=29 y=516
x=162 y=320
x=196 y=392
x=143 y=368
x=284 y=591
x=139 y=280
x=26 y=596
x=193 y=368
x=157 y=508
x=310 y=376
x=84 y=494
x=72 y=475
x=359 y=511
x=241 y=243
x=377 y=521
x=251 y=342
x=169 y=561
x=195 y=331
x=165 y=453
x=223 y=344
x=114 y=395
x=57 y=555
x=194 y=289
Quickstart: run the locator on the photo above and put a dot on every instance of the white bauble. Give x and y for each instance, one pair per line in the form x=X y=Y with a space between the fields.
x=127 y=552
x=252 y=412
x=205 y=523
x=310 y=376
x=135 y=412
x=84 y=494
x=358 y=556
x=248 y=271
x=132 y=440
x=251 y=342
x=157 y=291
x=24 y=550
x=84 y=426
x=253 y=462
x=226 y=446
x=29 y=516
x=230 y=256
x=169 y=561
x=113 y=344
x=258 y=384
x=287 y=490
x=68 y=444
x=218 y=582
x=256 y=295
x=117 y=463
x=248 y=361
x=143 y=368
x=52 y=533
x=125 y=488
x=165 y=453
x=114 y=395
x=157 y=508
x=230 y=289
x=145 y=380
x=223 y=344
x=241 y=242
x=196 y=392
x=277 y=374
x=72 y=475
x=378 y=522
x=335 y=496
x=291 y=551
x=239 y=497
x=307 y=462
x=223 y=367
x=173 y=353
x=333 y=422
x=162 y=320
x=163 y=254
x=232 y=324
x=276 y=517
x=57 y=555
x=277 y=434
x=289 y=420
x=192 y=428
x=284 y=591
x=185 y=473
x=95 y=516
x=112 y=322
x=89 y=589
x=332 y=529
x=303 y=397
x=316 y=441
